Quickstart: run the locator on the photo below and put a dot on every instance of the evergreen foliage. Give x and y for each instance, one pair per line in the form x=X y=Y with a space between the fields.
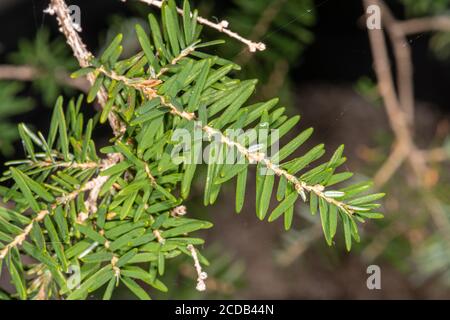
x=293 y=19
x=51 y=59
x=440 y=41
x=114 y=215
x=422 y=7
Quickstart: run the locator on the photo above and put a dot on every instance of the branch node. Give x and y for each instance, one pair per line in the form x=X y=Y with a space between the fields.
x=201 y=275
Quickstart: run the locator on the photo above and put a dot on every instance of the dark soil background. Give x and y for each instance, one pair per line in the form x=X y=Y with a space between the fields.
x=325 y=98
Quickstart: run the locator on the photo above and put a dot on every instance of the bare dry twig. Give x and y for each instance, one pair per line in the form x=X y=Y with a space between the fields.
x=428 y=24
x=400 y=107
x=402 y=53
x=59 y=8
x=398 y=115
x=201 y=275
x=222 y=26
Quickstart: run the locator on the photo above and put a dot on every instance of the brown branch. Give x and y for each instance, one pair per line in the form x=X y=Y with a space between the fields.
x=221 y=27
x=402 y=53
x=30 y=73
x=396 y=115
x=59 y=8
x=398 y=119
x=428 y=24
x=20 y=73
x=391 y=165
x=436 y=155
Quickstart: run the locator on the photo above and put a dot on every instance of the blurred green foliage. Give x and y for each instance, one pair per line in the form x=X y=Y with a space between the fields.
x=285 y=27
x=439 y=41
x=225 y=276
x=425 y=7
x=10 y=105
x=52 y=58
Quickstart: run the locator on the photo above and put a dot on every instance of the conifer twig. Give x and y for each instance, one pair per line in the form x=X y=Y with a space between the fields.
x=426 y=24
x=252 y=156
x=59 y=8
x=158 y=236
x=92 y=185
x=19 y=239
x=72 y=165
x=222 y=26
x=201 y=275
x=187 y=51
